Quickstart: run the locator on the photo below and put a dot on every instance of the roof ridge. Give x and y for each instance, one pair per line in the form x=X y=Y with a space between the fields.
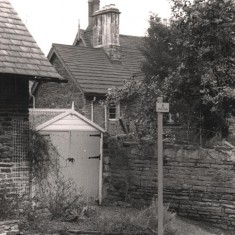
x=46 y=109
x=127 y=35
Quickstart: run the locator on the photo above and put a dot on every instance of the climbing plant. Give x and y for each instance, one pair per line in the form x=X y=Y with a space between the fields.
x=191 y=63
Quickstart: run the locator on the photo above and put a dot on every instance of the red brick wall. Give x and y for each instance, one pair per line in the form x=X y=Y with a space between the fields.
x=14 y=164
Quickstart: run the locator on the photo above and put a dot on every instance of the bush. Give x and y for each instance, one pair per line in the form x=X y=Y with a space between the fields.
x=60 y=196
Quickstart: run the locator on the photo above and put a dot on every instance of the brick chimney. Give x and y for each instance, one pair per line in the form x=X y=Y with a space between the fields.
x=93 y=5
x=106 y=30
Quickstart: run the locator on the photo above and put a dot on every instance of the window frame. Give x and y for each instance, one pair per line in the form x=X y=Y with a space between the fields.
x=117 y=111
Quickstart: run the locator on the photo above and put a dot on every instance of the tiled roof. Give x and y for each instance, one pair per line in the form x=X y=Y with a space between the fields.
x=131 y=41
x=39 y=116
x=132 y=59
x=93 y=70
x=19 y=53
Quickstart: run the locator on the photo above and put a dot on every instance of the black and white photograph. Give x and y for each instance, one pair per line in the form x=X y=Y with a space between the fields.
x=117 y=117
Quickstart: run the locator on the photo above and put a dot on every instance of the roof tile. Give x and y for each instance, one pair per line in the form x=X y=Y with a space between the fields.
x=19 y=53
x=93 y=70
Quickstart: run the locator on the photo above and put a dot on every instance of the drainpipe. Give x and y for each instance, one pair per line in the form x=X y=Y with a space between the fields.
x=105 y=118
x=92 y=109
x=33 y=100
x=106 y=112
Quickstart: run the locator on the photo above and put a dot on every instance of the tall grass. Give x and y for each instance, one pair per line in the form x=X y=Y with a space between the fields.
x=125 y=221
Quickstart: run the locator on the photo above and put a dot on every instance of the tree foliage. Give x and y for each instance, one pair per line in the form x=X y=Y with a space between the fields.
x=191 y=63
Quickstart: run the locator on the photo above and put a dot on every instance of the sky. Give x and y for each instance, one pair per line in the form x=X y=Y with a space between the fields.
x=56 y=21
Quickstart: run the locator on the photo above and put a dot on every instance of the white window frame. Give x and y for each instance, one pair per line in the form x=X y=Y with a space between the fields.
x=117 y=113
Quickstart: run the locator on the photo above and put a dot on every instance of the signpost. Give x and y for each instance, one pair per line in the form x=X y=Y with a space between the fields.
x=160 y=108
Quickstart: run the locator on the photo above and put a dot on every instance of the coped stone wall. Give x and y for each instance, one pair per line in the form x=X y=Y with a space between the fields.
x=198 y=182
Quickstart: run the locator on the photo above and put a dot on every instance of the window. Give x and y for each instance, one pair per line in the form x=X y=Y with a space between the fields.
x=114 y=111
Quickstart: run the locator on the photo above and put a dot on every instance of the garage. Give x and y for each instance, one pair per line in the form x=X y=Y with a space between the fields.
x=79 y=143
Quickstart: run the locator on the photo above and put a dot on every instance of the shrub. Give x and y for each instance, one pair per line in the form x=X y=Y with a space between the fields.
x=60 y=196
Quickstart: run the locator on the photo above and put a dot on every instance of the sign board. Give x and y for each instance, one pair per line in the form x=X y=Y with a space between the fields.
x=162 y=107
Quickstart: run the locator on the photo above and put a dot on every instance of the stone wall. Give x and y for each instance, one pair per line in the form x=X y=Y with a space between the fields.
x=14 y=164
x=198 y=182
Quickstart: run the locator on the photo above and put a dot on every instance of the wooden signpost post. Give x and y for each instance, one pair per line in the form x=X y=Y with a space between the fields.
x=160 y=108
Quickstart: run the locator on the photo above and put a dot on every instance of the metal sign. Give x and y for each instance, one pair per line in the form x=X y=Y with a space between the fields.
x=162 y=107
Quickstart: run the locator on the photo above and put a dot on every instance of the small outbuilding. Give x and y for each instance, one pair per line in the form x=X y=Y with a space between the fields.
x=79 y=143
x=21 y=61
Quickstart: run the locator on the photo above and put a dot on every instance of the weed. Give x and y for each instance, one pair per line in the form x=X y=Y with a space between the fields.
x=138 y=222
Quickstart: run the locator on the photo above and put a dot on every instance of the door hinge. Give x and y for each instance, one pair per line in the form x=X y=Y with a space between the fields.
x=95 y=157
x=96 y=135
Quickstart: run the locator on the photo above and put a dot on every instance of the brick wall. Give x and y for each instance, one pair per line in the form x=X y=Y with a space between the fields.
x=127 y=114
x=60 y=95
x=99 y=113
x=14 y=164
x=198 y=182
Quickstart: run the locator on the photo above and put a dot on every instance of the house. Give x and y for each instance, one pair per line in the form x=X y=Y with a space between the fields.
x=99 y=59
x=79 y=142
x=21 y=60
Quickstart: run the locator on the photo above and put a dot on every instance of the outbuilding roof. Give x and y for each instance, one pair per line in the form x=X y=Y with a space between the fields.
x=41 y=119
x=19 y=53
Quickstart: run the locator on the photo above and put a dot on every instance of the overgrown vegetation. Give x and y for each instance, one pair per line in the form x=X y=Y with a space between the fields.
x=53 y=191
x=10 y=202
x=191 y=63
x=43 y=156
x=143 y=221
x=61 y=197
x=111 y=220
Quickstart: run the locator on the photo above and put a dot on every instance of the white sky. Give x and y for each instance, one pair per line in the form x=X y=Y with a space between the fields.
x=56 y=21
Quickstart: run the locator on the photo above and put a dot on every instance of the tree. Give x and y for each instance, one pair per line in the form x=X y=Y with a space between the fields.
x=204 y=79
x=191 y=62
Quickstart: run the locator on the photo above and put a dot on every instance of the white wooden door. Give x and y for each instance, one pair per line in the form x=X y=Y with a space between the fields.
x=79 y=157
